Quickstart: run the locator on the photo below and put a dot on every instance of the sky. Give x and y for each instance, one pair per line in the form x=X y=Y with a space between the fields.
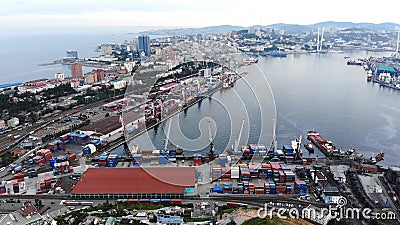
x=20 y=14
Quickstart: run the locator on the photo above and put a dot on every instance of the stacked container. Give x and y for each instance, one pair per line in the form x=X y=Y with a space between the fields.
x=280 y=188
x=162 y=160
x=288 y=150
x=259 y=190
x=289 y=159
x=272 y=187
x=197 y=159
x=218 y=189
x=300 y=187
x=289 y=188
x=97 y=144
x=216 y=172
x=82 y=139
x=246 y=188
x=53 y=161
x=223 y=160
x=19 y=177
x=226 y=176
x=290 y=176
x=102 y=161
x=282 y=177
x=15 y=186
x=2 y=189
x=227 y=189
x=251 y=188
x=56 y=146
x=246 y=152
x=48 y=155
x=62 y=158
x=64 y=139
x=88 y=149
x=32 y=172
x=244 y=172
x=112 y=160
x=72 y=157
x=263 y=173
x=61 y=168
x=47 y=183
x=267 y=189
x=253 y=171
x=137 y=160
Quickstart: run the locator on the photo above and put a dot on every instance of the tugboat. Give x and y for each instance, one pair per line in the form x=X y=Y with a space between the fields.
x=309 y=147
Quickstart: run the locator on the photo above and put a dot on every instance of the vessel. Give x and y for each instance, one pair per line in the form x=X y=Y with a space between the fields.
x=309 y=147
x=326 y=146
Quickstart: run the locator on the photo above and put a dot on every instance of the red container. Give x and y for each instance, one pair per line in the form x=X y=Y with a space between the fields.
x=48 y=156
x=232 y=204
x=72 y=157
x=18 y=176
x=64 y=138
x=176 y=201
x=42 y=161
x=133 y=201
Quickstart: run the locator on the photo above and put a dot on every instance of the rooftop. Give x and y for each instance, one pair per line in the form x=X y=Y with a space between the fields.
x=168 y=180
x=104 y=126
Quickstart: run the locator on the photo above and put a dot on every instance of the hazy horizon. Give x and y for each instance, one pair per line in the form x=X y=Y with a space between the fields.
x=25 y=14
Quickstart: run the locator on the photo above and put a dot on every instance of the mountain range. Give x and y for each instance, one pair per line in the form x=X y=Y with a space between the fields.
x=289 y=28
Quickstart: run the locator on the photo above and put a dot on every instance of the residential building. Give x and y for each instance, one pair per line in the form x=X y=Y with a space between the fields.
x=13 y=122
x=76 y=70
x=59 y=76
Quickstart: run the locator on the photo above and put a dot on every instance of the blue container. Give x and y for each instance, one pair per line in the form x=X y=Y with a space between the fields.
x=96 y=142
x=166 y=201
x=53 y=161
x=217 y=189
x=155 y=201
x=102 y=158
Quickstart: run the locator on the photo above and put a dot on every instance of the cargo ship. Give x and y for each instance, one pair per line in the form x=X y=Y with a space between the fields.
x=326 y=146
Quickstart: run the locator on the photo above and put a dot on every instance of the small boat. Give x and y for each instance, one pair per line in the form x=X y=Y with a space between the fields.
x=309 y=147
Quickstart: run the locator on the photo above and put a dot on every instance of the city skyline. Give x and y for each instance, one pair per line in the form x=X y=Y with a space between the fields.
x=176 y=13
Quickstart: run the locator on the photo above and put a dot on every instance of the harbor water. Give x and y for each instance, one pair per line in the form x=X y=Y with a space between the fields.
x=312 y=92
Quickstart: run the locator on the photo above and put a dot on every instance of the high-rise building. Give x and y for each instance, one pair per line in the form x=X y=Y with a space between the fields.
x=144 y=45
x=99 y=74
x=106 y=50
x=71 y=54
x=76 y=70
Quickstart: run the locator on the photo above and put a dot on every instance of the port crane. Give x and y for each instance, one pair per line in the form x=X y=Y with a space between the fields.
x=165 y=151
x=211 y=153
x=235 y=148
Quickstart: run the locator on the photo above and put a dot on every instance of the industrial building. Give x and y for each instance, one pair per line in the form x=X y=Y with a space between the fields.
x=339 y=172
x=107 y=126
x=137 y=183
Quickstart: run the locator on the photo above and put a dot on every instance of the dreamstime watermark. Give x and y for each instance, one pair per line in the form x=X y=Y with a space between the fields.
x=338 y=212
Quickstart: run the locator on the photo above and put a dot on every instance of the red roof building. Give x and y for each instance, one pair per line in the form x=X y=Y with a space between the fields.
x=155 y=182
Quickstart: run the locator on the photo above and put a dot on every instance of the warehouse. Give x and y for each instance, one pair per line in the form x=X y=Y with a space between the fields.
x=139 y=183
x=106 y=127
